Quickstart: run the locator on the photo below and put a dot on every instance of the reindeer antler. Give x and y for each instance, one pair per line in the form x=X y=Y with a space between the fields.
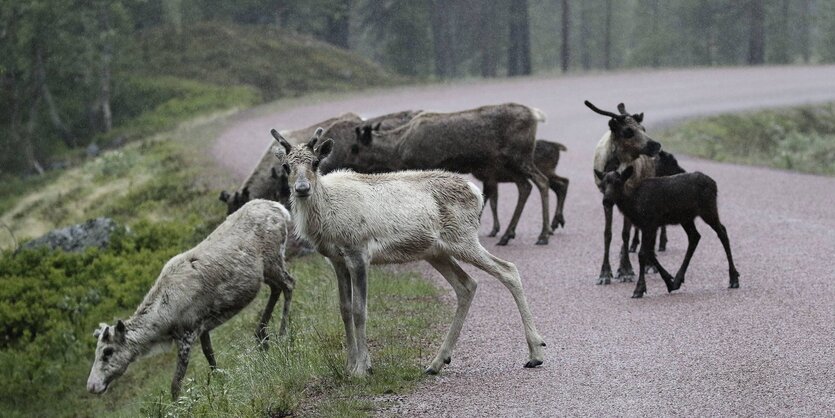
x=622 y=109
x=602 y=112
x=315 y=137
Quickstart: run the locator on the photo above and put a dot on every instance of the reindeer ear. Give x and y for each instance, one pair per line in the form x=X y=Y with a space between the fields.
x=638 y=117
x=377 y=126
x=316 y=136
x=598 y=174
x=119 y=330
x=281 y=141
x=105 y=333
x=627 y=173
x=99 y=330
x=324 y=149
x=224 y=196
x=358 y=131
x=245 y=194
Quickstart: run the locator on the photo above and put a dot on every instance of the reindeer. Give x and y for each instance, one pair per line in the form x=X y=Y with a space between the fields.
x=546 y=157
x=357 y=219
x=673 y=200
x=625 y=143
x=265 y=181
x=201 y=289
x=665 y=165
x=478 y=141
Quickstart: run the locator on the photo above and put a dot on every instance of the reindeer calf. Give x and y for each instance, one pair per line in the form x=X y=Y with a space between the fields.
x=671 y=200
x=358 y=219
x=201 y=289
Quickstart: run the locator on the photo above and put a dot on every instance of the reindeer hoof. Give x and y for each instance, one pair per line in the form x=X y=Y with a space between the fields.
x=662 y=248
x=734 y=285
x=430 y=371
x=625 y=277
x=533 y=363
x=638 y=294
x=447 y=360
x=542 y=241
x=604 y=279
x=505 y=239
x=493 y=233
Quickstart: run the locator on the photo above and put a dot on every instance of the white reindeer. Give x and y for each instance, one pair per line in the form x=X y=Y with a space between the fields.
x=201 y=289
x=357 y=219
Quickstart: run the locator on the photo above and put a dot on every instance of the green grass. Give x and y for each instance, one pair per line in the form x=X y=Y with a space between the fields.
x=165 y=189
x=799 y=138
x=276 y=63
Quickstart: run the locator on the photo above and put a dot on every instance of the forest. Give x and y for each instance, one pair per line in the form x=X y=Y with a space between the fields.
x=75 y=73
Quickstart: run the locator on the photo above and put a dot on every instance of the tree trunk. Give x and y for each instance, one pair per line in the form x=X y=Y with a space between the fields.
x=565 y=53
x=488 y=39
x=442 y=41
x=105 y=76
x=42 y=89
x=519 y=48
x=585 y=35
x=756 y=40
x=806 y=30
x=339 y=24
x=24 y=141
x=607 y=40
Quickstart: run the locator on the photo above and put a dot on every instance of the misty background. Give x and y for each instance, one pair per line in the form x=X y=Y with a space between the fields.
x=75 y=73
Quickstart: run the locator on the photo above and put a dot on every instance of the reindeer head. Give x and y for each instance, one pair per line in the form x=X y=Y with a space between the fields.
x=113 y=355
x=365 y=134
x=301 y=163
x=612 y=184
x=628 y=135
x=234 y=201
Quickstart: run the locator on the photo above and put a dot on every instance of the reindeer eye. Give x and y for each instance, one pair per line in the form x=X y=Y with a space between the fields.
x=315 y=163
x=628 y=133
x=107 y=352
x=286 y=168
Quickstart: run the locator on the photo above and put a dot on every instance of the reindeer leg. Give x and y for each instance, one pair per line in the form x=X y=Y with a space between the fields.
x=693 y=237
x=625 y=272
x=636 y=240
x=491 y=194
x=720 y=230
x=541 y=182
x=524 y=191
x=358 y=265
x=343 y=280
x=464 y=287
x=261 y=331
x=289 y=284
x=208 y=351
x=184 y=343
x=560 y=187
x=662 y=242
x=606 y=270
x=508 y=275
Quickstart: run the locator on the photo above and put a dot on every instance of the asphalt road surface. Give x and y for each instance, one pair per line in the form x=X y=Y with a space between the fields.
x=767 y=348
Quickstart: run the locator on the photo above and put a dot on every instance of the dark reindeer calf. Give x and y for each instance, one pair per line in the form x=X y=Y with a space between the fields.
x=661 y=201
x=665 y=165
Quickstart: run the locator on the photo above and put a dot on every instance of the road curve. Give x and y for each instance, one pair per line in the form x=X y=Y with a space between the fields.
x=767 y=348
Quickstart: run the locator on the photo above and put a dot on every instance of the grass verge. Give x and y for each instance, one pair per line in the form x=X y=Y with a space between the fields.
x=165 y=191
x=798 y=138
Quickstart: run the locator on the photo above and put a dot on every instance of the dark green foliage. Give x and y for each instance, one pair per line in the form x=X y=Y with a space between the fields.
x=50 y=302
x=801 y=138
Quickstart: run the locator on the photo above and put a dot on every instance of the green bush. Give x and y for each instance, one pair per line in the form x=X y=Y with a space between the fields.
x=50 y=302
x=800 y=138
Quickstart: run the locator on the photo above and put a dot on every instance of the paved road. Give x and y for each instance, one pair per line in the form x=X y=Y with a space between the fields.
x=766 y=348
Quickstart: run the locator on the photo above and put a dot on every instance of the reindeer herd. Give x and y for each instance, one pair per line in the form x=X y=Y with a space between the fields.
x=388 y=190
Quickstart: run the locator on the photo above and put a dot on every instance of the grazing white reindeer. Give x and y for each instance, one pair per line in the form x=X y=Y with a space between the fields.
x=201 y=289
x=358 y=219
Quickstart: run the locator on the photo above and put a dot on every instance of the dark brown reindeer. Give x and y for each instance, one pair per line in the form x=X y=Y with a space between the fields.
x=546 y=157
x=268 y=180
x=475 y=141
x=674 y=200
x=665 y=165
x=625 y=143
